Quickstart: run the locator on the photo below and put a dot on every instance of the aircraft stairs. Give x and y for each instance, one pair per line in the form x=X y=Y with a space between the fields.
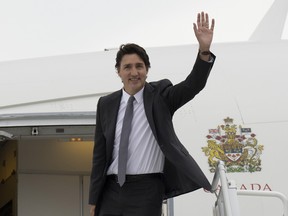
x=227 y=197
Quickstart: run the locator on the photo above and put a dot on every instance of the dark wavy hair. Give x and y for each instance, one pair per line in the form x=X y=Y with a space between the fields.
x=132 y=48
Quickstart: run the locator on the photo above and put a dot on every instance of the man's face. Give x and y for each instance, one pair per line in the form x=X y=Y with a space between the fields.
x=133 y=73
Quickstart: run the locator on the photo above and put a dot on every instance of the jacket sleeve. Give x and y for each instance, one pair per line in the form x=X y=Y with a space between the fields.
x=186 y=90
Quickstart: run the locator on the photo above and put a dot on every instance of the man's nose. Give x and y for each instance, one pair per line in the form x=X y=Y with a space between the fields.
x=134 y=71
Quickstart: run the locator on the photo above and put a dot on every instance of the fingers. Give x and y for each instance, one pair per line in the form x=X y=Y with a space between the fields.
x=194 y=27
x=198 y=20
x=212 y=25
x=203 y=21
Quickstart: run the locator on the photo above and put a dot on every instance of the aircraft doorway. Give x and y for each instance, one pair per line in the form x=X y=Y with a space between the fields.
x=45 y=170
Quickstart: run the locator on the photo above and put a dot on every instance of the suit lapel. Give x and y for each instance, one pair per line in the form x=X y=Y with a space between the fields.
x=112 y=109
x=148 y=98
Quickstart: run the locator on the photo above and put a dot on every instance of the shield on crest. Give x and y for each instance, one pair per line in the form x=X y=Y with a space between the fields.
x=233 y=153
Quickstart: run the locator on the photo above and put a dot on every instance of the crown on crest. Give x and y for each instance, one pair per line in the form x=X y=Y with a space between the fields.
x=228 y=120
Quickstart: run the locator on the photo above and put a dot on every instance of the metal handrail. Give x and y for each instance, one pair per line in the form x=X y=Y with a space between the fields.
x=221 y=174
x=276 y=194
x=227 y=197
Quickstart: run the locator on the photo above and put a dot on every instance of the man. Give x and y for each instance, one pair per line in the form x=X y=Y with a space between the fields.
x=157 y=166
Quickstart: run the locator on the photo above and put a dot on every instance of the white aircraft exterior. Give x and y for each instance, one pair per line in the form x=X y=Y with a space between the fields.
x=47 y=118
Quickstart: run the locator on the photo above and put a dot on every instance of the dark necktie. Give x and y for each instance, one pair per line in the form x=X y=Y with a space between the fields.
x=124 y=140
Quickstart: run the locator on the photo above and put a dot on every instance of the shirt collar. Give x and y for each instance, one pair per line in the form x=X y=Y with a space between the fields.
x=138 y=96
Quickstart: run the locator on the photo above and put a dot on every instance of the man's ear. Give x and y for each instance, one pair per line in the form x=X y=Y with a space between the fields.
x=117 y=72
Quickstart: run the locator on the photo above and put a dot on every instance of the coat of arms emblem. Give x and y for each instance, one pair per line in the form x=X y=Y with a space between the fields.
x=236 y=146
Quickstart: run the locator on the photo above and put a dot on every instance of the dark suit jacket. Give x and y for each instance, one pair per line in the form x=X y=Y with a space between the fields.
x=161 y=100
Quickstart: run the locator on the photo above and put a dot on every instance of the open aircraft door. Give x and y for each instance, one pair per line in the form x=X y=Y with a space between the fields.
x=45 y=170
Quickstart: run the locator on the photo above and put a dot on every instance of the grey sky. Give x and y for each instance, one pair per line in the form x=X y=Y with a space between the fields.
x=36 y=28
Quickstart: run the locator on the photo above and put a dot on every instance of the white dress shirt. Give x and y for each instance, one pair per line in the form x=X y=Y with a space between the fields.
x=144 y=153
